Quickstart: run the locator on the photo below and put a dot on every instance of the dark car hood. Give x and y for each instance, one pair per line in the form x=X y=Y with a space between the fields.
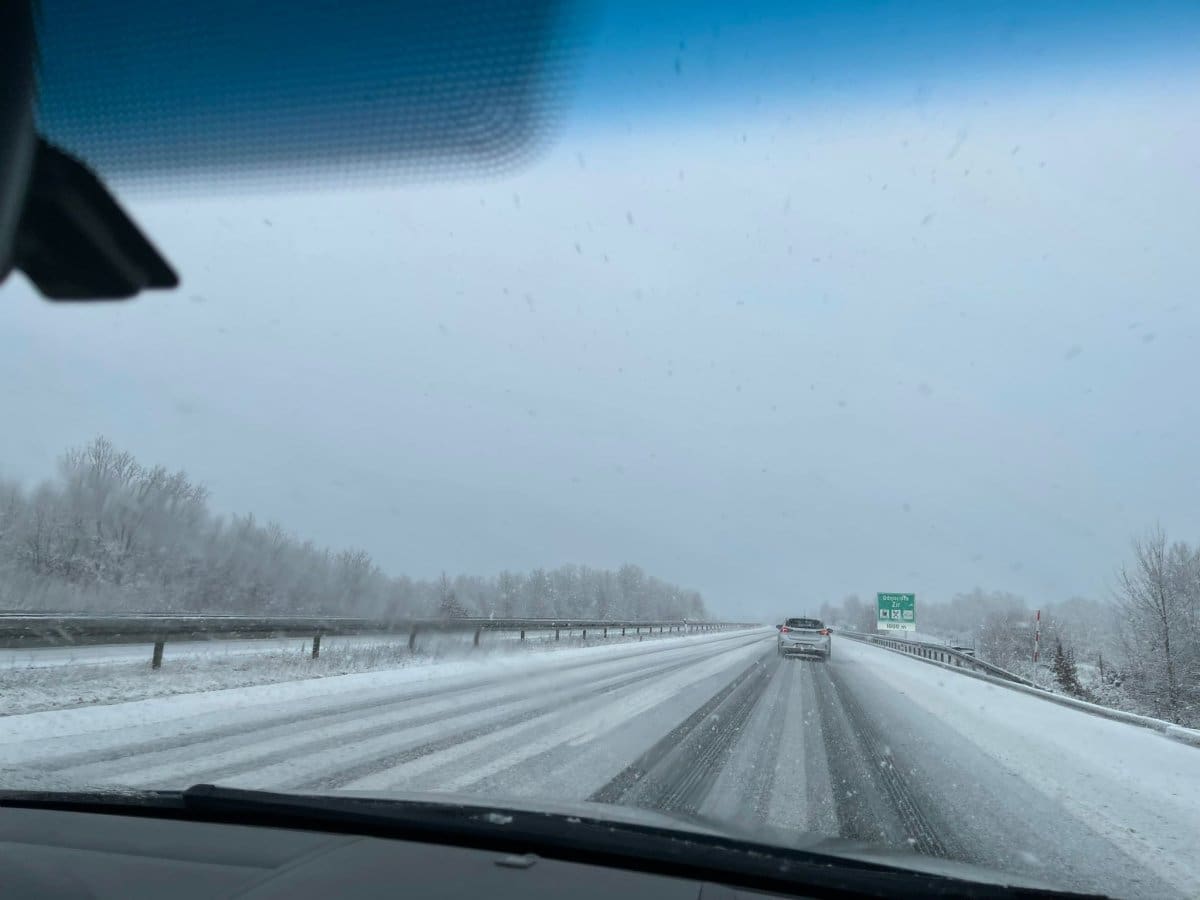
x=496 y=811
x=809 y=842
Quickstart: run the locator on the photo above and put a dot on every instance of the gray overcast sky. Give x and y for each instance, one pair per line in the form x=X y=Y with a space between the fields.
x=919 y=346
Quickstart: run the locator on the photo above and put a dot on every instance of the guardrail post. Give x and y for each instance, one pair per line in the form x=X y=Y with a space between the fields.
x=316 y=645
x=412 y=638
x=156 y=659
x=477 y=632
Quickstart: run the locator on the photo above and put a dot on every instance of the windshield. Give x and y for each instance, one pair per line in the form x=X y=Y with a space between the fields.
x=498 y=482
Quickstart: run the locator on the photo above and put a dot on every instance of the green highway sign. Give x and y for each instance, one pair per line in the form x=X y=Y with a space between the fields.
x=896 y=612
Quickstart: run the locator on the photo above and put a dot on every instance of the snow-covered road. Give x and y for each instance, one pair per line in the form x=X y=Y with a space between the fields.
x=873 y=745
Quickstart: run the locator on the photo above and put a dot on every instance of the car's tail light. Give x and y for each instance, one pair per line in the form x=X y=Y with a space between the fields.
x=785 y=629
x=824 y=631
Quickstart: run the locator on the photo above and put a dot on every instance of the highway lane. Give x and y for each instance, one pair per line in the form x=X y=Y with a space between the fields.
x=872 y=746
x=324 y=728
x=841 y=748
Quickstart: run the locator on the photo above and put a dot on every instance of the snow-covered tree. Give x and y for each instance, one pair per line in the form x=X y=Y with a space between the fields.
x=1159 y=593
x=1065 y=670
x=108 y=534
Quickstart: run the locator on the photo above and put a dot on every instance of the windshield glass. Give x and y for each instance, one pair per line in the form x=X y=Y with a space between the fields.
x=498 y=483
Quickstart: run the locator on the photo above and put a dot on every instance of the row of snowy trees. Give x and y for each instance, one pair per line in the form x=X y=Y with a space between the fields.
x=1158 y=593
x=110 y=534
x=1137 y=649
x=576 y=592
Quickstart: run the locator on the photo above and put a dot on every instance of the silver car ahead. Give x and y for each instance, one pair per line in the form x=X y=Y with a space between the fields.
x=807 y=637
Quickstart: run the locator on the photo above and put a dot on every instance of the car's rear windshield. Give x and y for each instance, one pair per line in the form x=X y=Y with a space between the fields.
x=804 y=623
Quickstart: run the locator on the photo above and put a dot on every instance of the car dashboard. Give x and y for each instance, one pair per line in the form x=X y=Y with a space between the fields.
x=61 y=854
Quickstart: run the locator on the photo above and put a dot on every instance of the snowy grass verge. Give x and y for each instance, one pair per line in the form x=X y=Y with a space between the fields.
x=1190 y=736
x=88 y=681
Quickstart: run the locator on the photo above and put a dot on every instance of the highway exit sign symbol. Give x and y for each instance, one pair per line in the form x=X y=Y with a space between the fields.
x=896 y=612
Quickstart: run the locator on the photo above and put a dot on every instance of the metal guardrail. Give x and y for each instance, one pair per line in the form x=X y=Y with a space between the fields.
x=949 y=656
x=29 y=630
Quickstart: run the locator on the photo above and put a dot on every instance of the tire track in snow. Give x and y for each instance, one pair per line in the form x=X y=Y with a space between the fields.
x=874 y=800
x=294 y=762
x=347 y=774
x=745 y=786
x=325 y=761
x=576 y=725
x=677 y=772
